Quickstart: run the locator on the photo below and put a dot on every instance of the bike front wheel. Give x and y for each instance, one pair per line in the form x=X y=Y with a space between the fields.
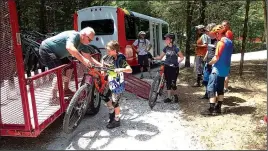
x=95 y=103
x=77 y=108
x=153 y=92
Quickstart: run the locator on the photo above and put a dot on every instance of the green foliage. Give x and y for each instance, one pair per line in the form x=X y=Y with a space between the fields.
x=58 y=14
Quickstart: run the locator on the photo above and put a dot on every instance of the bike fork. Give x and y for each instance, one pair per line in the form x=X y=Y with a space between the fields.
x=161 y=84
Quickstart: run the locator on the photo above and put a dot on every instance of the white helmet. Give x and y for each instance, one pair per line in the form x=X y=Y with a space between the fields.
x=142 y=33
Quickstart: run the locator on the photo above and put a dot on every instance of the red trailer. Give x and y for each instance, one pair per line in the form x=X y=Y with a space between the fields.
x=24 y=106
x=25 y=109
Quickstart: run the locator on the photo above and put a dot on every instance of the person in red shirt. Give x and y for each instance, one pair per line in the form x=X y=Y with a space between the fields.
x=229 y=35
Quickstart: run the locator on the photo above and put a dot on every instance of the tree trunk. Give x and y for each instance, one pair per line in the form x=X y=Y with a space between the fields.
x=202 y=12
x=18 y=6
x=244 y=38
x=181 y=37
x=42 y=18
x=188 y=31
x=265 y=5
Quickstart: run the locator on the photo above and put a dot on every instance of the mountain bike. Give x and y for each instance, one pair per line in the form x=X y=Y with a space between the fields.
x=157 y=86
x=87 y=98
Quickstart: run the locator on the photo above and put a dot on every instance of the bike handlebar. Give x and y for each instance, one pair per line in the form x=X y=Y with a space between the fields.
x=102 y=68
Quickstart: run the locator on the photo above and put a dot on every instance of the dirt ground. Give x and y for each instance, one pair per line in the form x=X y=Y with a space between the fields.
x=170 y=125
x=239 y=127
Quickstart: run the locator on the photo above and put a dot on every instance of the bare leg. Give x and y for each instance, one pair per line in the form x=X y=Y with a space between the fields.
x=226 y=83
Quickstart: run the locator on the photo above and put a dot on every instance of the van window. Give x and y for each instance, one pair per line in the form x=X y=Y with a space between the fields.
x=143 y=25
x=101 y=27
x=130 y=27
x=164 y=30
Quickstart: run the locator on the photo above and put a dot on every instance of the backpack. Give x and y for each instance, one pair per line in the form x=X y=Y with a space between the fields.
x=139 y=42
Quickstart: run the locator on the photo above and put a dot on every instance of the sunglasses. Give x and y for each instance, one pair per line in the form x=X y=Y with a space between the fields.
x=89 y=39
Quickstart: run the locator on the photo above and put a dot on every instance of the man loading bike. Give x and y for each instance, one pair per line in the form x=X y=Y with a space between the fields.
x=54 y=52
x=171 y=69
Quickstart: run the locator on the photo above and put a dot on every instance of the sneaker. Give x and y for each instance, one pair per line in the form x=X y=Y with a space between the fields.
x=141 y=77
x=113 y=124
x=111 y=117
x=68 y=92
x=217 y=109
x=176 y=98
x=167 y=100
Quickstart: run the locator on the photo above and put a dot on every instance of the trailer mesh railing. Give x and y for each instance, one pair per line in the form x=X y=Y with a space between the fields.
x=11 y=110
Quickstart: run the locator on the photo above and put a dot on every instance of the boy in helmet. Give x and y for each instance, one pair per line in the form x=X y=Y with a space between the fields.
x=171 y=70
x=143 y=46
x=116 y=60
x=220 y=69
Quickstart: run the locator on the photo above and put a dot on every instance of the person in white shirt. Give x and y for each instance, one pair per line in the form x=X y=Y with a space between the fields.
x=143 y=46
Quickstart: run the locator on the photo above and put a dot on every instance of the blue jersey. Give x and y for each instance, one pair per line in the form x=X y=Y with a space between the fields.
x=222 y=66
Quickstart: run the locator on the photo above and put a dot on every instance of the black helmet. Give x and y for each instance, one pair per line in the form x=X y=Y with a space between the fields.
x=171 y=36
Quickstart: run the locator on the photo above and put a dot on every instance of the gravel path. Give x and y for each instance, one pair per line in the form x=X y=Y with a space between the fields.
x=141 y=128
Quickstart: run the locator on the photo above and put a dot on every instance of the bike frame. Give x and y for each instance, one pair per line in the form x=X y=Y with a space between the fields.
x=162 y=80
x=94 y=76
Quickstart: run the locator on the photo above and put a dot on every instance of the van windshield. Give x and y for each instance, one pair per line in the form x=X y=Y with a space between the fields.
x=101 y=27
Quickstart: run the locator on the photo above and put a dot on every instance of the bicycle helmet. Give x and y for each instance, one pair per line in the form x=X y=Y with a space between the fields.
x=210 y=26
x=171 y=36
x=141 y=33
x=218 y=29
x=200 y=27
x=116 y=82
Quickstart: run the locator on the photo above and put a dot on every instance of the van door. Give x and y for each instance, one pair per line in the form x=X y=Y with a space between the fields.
x=156 y=39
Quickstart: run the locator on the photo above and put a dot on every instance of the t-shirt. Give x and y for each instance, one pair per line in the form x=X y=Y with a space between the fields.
x=229 y=34
x=211 y=49
x=171 y=55
x=201 y=51
x=57 y=43
x=222 y=66
x=120 y=62
x=143 y=46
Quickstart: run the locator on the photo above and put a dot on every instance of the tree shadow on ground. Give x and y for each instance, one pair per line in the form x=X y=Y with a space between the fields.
x=233 y=101
x=239 y=110
x=29 y=143
x=95 y=135
x=143 y=132
x=239 y=89
x=191 y=105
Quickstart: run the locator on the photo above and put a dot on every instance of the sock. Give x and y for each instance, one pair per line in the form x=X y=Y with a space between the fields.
x=219 y=104
x=212 y=105
x=169 y=94
x=198 y=79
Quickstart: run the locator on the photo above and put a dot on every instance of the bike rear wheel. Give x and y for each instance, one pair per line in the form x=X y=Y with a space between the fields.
x=77 y=108
x=153 y=92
